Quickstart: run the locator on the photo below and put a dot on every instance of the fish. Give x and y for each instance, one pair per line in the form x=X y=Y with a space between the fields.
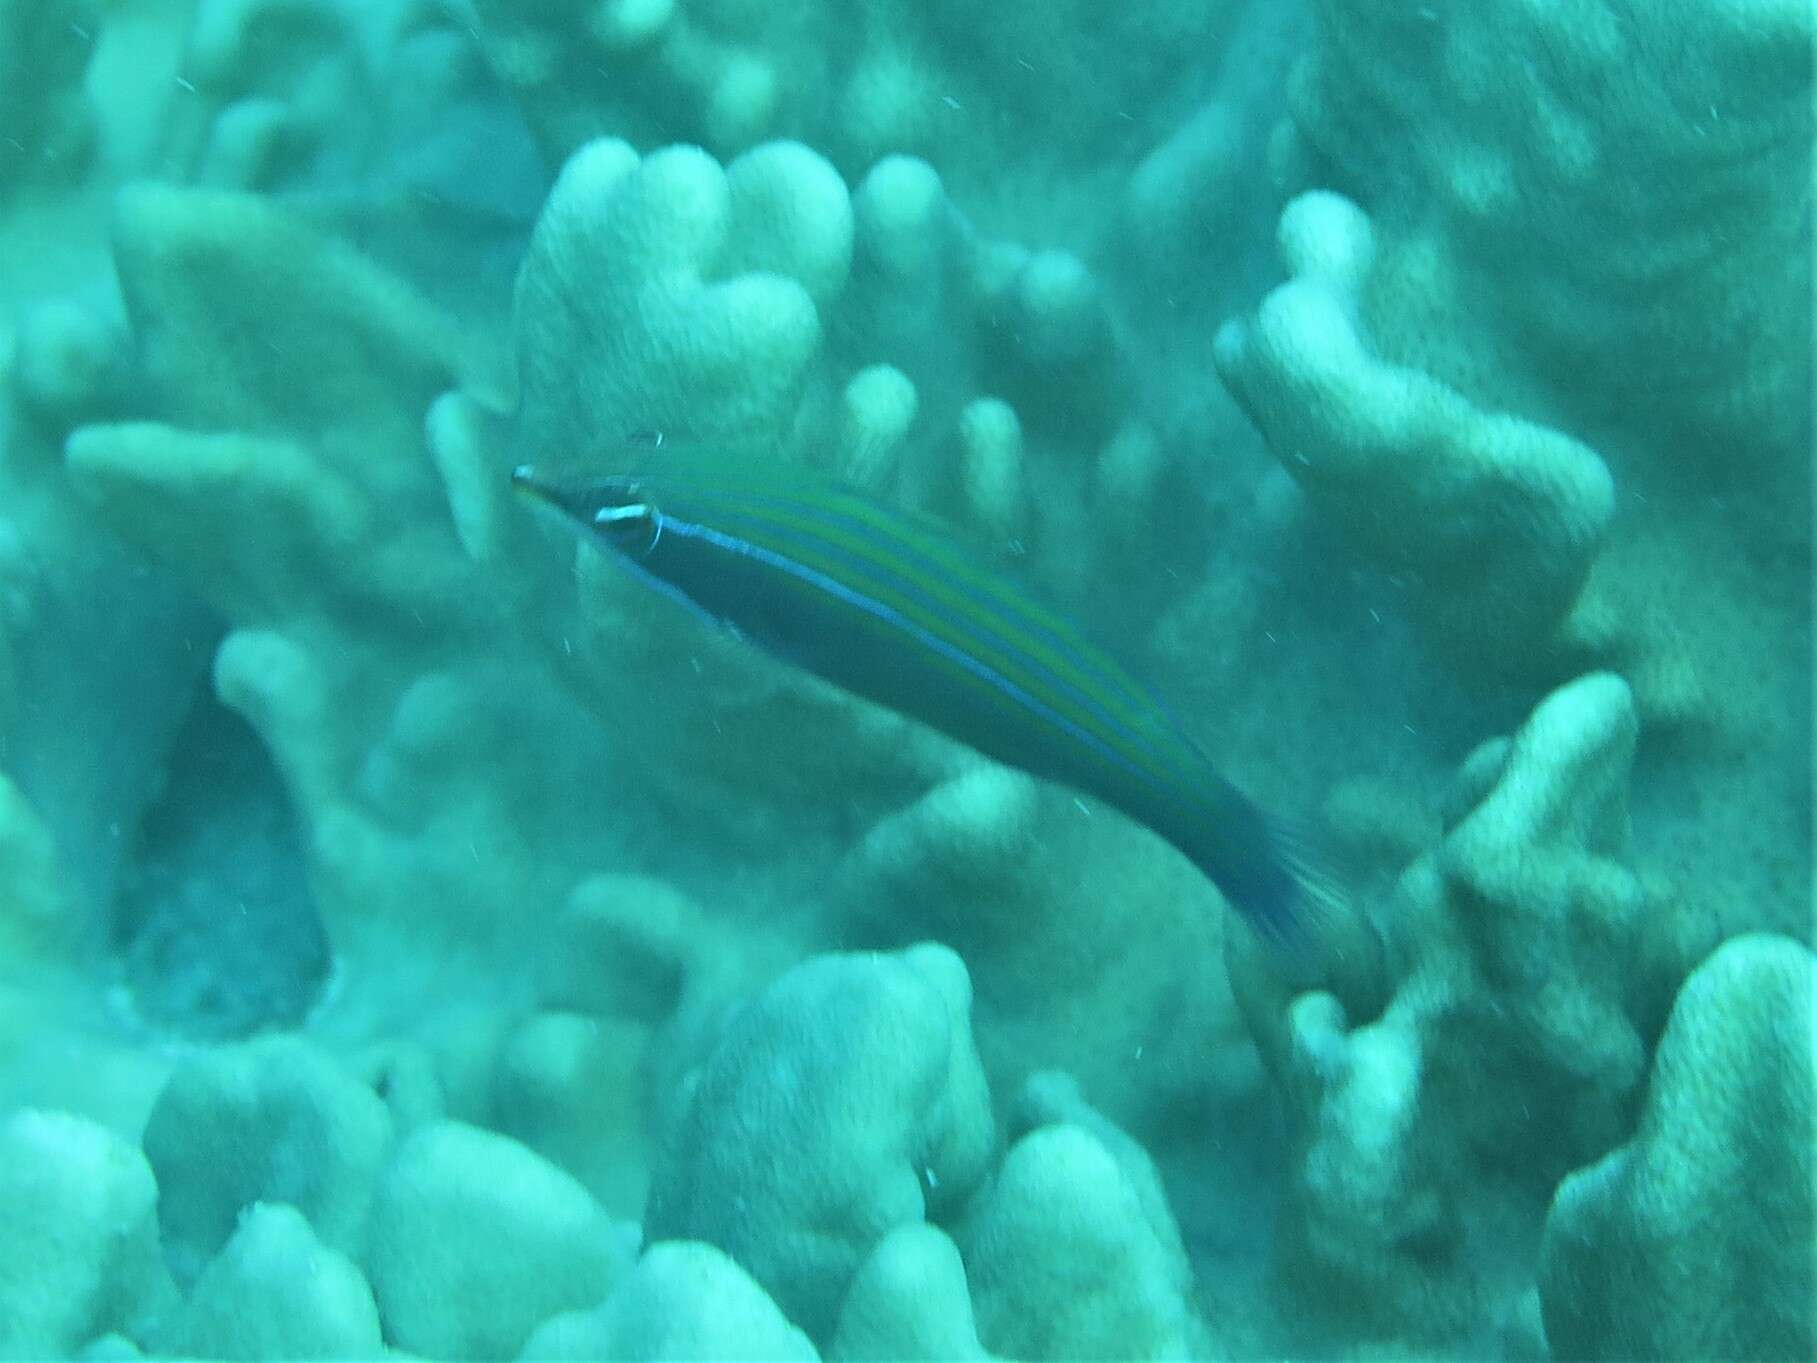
x=900 y=609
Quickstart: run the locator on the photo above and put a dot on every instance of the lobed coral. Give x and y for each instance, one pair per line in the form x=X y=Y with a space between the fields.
x=1495 y=519
x=845 y=1100
x=1530 y=969
x=1617 y=184
x=415 y=936
x=1724 y=1145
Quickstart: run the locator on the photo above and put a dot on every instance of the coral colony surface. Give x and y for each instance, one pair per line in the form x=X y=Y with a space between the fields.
x=420 y=938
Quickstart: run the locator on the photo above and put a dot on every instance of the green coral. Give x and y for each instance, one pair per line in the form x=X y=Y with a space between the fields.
x=355 y=651
x=45 y=45
x=862 y=81
x=909 y=1300
x=1497 y=519
x=1066 y=1266
x=845 y=1100
x=1531 y=969
x=569 y=852
x=1120 y=999
x=476 y=1241
x=1693 y=1239
x=79 y=1245
x=1073 y=1252
x=1615 y=186
x=683 y=1299
x=275 y=1291
x=274 y=1120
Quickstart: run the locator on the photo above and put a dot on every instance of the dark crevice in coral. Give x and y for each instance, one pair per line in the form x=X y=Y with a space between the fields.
x=214 y=926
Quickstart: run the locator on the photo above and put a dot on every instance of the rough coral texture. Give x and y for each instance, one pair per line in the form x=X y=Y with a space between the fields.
x=1600 y=213
x=863 y=81
x=368 y=115
x=273 y=1121
x=946 y=867
x=847 y=1099
x=310 y=475
x=1495 y=518
x=909 y=1300
x=275 y=1291
x=418 y=936
x=476 y=1240
x=1072 y=1252
x=683 y=1299
x=79 y=1251
x=1546 y=240
x=1522 y=937
x=1723 y=1148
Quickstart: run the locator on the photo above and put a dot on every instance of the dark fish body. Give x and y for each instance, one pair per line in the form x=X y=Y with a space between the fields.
x=894 y=608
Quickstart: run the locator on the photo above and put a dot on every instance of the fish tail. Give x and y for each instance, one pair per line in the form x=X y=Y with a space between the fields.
x=1319 y=893
x=1291 y=887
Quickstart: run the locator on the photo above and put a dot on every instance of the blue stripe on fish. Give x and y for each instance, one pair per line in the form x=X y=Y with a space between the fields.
x=889 y=615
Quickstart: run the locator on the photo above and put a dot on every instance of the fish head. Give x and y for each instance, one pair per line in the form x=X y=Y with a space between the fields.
x=611 y=507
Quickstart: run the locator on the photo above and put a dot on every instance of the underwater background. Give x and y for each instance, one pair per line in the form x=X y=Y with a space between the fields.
x=419 y=938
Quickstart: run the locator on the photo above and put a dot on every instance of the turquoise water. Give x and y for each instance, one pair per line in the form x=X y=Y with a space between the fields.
x=418 y=936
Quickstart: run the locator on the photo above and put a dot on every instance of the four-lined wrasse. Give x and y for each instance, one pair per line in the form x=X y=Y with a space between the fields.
x=897 y=609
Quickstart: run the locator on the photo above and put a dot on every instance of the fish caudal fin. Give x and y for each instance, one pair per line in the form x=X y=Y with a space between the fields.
x=1295 y=890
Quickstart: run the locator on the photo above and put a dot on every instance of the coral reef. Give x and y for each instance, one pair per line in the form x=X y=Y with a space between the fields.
x=1579 y=207
x=477 y=1240
x=275 y=1291
x=782 y=1158
x=1495 y=519
x=1531 y=972
x=983 y=92
x=1723 y=1145
x=366 y=116
x=50 y=125
x=418 y=937
x=909 y=1300
x=683 y=1299
x=272 y=1121
x=80 y=1248
x=1073 y=1253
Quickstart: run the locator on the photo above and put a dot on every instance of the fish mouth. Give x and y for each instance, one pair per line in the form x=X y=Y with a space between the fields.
x=543 y=489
